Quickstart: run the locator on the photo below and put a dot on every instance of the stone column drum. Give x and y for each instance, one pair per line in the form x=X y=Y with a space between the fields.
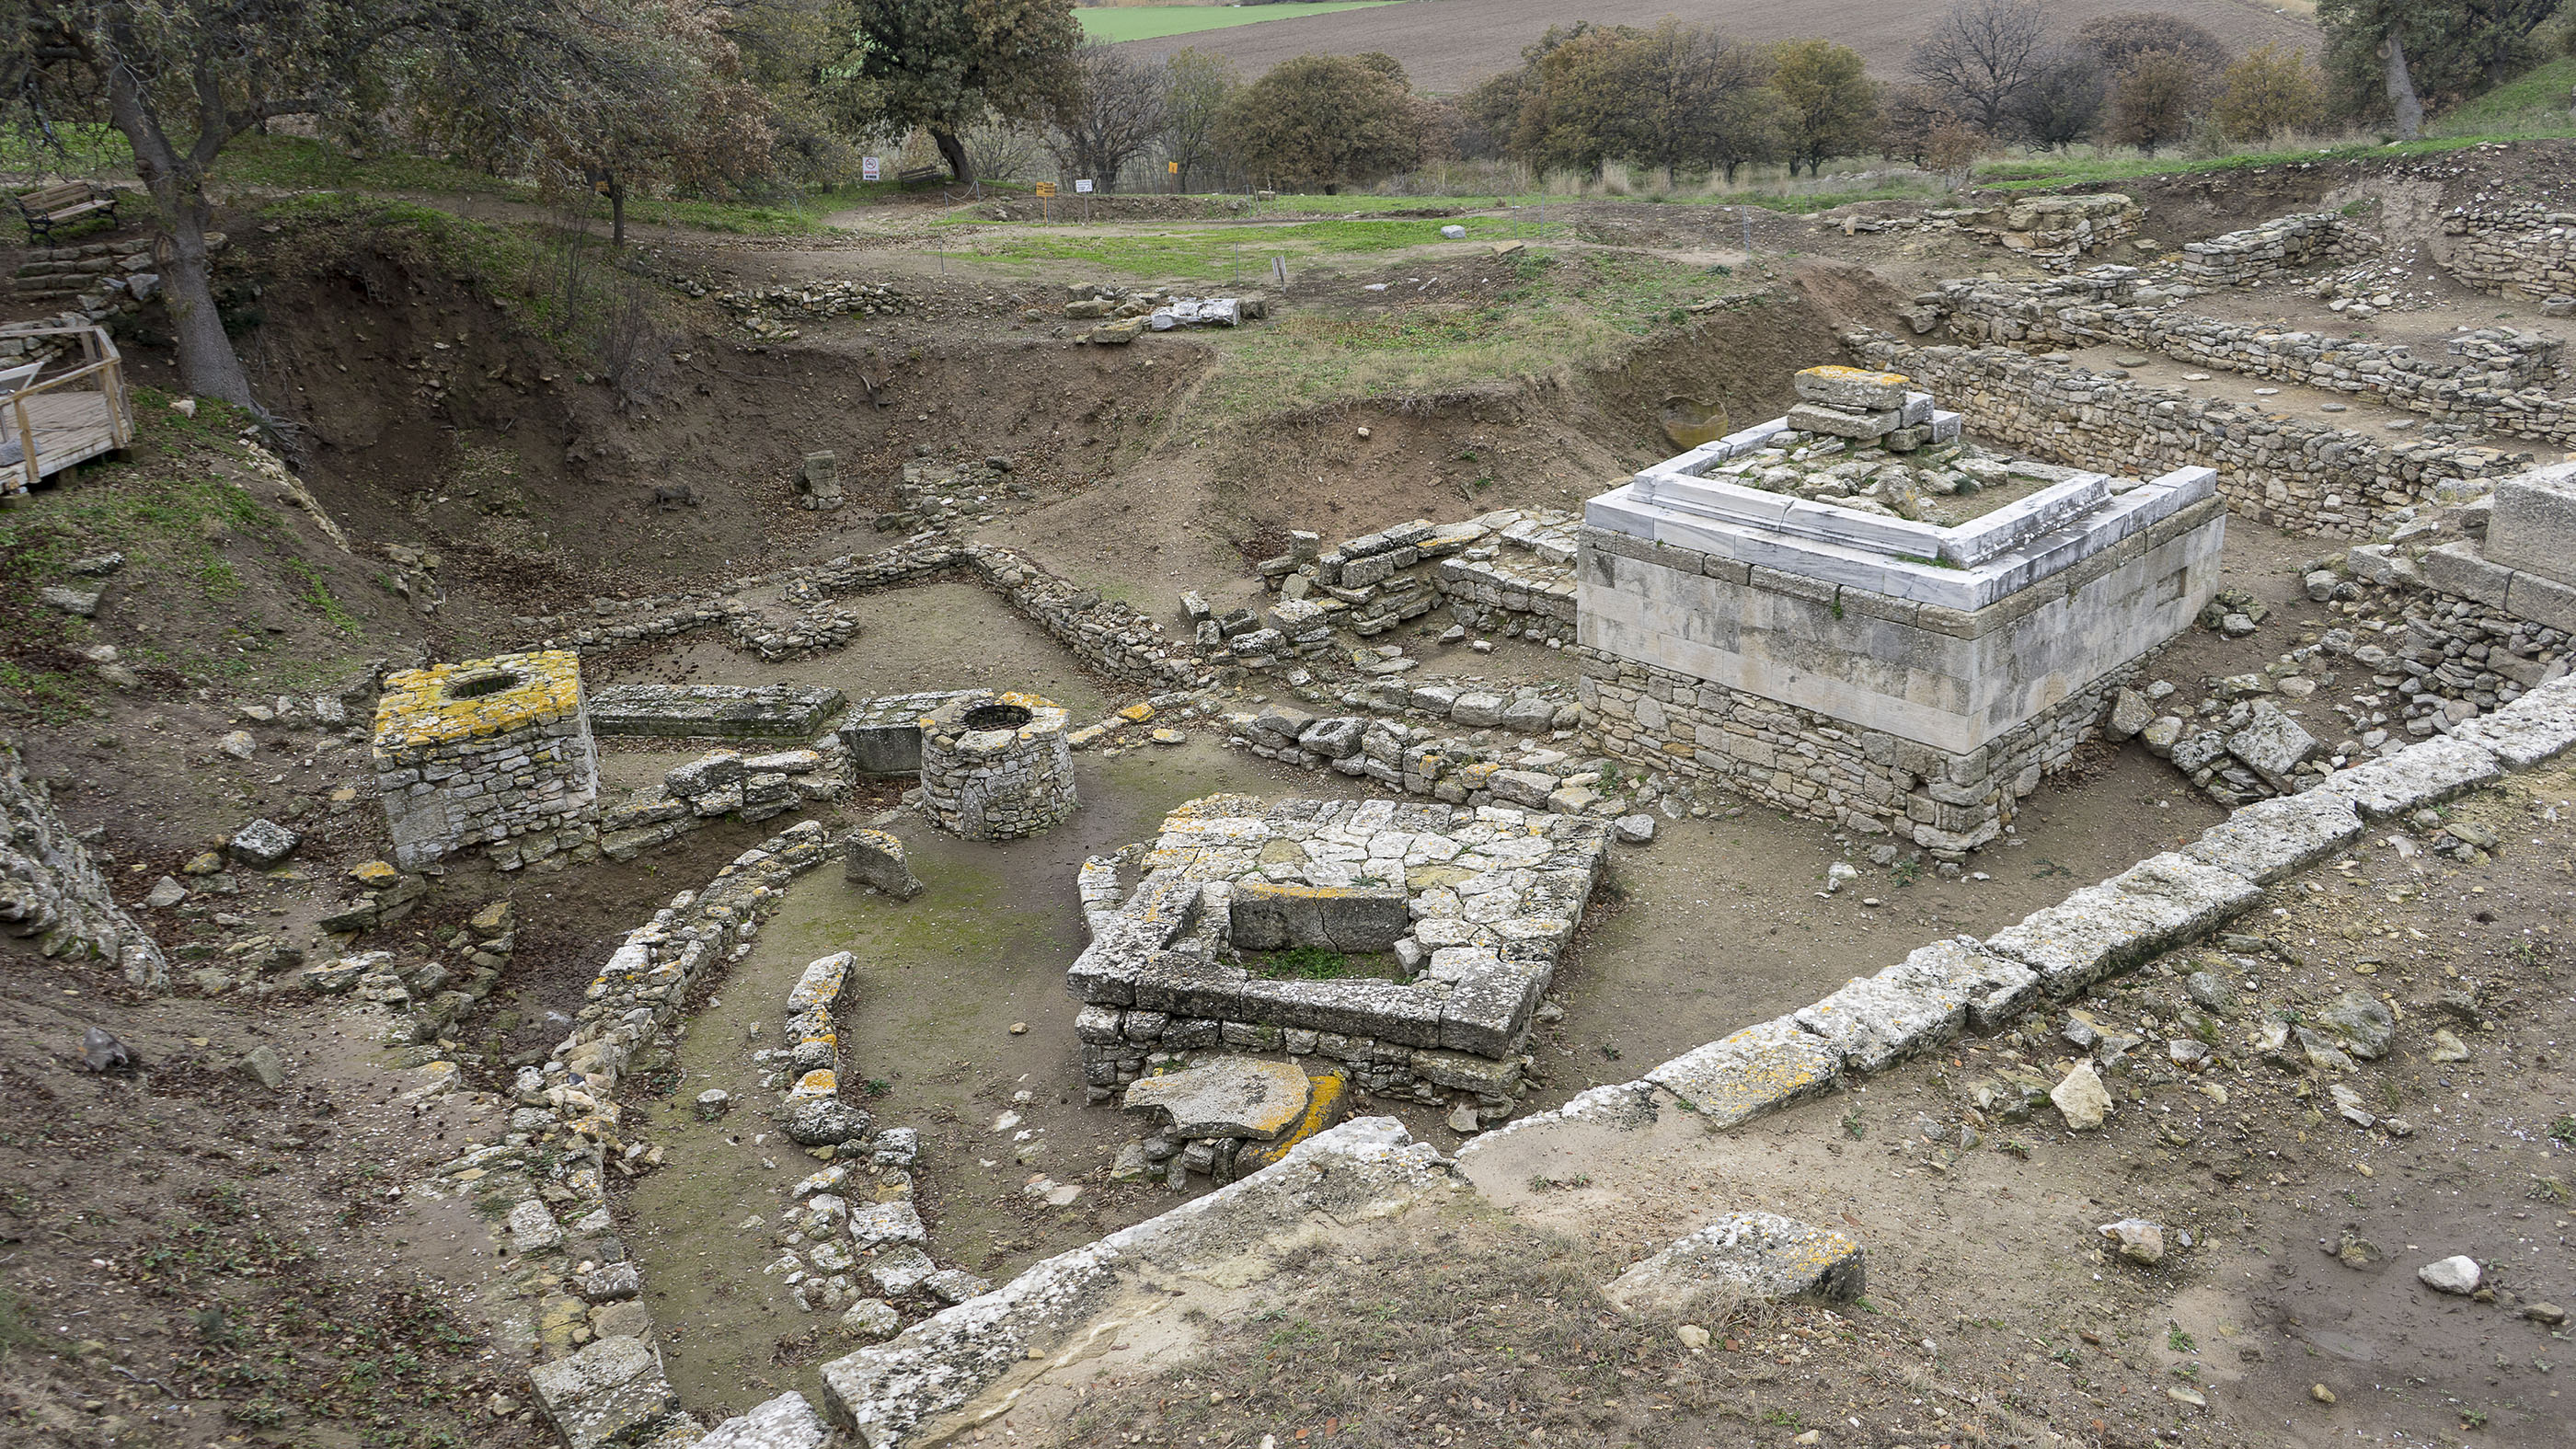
x=996 y=766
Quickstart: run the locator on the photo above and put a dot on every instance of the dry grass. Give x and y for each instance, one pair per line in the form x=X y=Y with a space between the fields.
x=1500 y=1330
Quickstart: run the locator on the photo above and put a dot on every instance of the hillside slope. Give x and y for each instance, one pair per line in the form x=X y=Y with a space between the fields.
x=1449 y=45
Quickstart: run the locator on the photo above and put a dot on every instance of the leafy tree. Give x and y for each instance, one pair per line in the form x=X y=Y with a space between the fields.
x=945 y=65
x=784 y=47
x=2274 y=89
x=1196 y=85
x=1676 y=86
x=2155 y=100
x=2063 y=102
x=2120 y=39
x=1324 y=118
x=677 y=110
x=1829 y=108
x=1569 y=119
x=1981 y=56
x=1108 y=116
x=180 y=79
x=2393 y=57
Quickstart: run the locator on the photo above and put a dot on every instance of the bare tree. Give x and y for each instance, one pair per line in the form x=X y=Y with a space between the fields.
x=1109 y=116
x=1197 y=84
x=1982 y=56
x=2063 y=102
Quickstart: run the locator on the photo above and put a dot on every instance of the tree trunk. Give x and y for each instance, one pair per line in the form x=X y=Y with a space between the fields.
x=616 y=210
x=2401 y=89
x=953 y=151
x=208 y=366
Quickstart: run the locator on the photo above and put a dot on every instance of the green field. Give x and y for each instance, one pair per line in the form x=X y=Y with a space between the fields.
x=1110 y=24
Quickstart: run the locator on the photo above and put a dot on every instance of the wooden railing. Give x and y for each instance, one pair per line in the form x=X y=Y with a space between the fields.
x=100 y=360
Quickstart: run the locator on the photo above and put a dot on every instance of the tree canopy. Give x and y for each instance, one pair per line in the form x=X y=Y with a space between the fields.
x=1324 y=118
x=944 y=65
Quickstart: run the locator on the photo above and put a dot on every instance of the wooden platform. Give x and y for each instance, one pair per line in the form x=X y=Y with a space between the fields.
x=78 y=413
x=70 y=427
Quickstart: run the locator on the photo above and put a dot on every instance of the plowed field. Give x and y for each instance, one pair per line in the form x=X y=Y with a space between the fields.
x=1449 y=45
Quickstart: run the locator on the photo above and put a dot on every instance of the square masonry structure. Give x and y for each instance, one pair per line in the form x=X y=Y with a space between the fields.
x=1474 y=904
x=479 y=752
x=1836 y=658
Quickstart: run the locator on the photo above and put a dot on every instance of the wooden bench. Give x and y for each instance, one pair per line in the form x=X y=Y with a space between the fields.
x=47 y=207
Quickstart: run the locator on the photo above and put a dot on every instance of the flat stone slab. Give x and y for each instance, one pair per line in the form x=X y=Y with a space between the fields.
x=2417 y=776
x=1754 y=1254
x=2134 y=916
x=785 y=1422
x=1756 y=1070
x=2531 y=730
x=2275 y=839
x=611 y=1392
x=1231 y=1097
x=883 y=735
x=728 y=711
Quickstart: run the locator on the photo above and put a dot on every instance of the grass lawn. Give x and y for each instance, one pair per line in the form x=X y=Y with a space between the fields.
x=1110 y=24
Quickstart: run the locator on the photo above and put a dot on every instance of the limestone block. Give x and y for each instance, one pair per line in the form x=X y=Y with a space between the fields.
x=2272 y=840
x=2534 y=525
x=2144 y=911
x=2462 y=568
x=610 y=1392
x=1873 y=1022
x=2272 y=745
x=2417 y=776
x=1853 y=388
x=875 y=858
x=2530 y=731
x=1834 y=422
x=785 y=1422
x=1995 y=989
x=1747 y=1255
x=1236 y=1097
x=1267 y=917
x=1753 y=1071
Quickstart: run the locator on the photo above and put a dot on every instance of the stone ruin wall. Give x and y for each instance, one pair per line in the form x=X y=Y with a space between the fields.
x=2300 y=476
x=53 y=894
x=2493 y=379
x=2276 y=248
x=2514 y=251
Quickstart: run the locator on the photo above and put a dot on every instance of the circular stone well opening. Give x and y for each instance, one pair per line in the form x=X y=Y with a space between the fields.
x=996 y=717
x=996 y=766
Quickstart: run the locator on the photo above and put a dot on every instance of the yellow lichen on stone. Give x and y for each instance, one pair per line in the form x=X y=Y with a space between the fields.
x=425 y=706
x=1860 y=375
x=1324 y=1105
x=1137 y=713
x=820 y=1082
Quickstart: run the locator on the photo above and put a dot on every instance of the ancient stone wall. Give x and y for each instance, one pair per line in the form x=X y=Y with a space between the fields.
x=2492 y=379
x=485 y=752
x=53 y=894
x=2279 y=246
x=2523 y=250
x=726 y=783
x=2291 y=474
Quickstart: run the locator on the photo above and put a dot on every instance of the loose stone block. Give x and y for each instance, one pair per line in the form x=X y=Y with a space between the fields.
x=875 y=858
x=478 y=752
x=785 y=1422
x=2533 y=528
x=763 y=711
x=1748 y=1254
x=1852 y=388
x=610 y=1392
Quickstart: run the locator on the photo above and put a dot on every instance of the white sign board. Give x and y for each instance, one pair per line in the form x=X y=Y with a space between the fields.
x=871 y=168
x=1082 y=187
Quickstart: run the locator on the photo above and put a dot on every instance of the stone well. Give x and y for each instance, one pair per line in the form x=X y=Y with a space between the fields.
x=478 y=752
x=995 y=766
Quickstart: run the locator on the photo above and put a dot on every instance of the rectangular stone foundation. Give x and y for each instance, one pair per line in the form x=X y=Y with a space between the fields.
x=1888 y=674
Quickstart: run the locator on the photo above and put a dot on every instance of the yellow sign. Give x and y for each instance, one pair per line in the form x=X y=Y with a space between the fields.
x=1046 y=188
x=1174 y=167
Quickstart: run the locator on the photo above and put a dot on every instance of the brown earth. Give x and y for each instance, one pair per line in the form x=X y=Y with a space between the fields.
x=534 y=490
x=1449 y=45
